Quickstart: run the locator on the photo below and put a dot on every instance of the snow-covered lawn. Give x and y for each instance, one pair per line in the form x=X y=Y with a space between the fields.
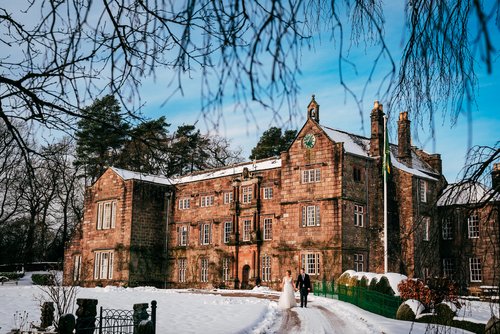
x=184 y=311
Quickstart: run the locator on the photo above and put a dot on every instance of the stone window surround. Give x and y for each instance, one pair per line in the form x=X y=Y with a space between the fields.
x=311 y=263
x=206 y=200
x=247 y=194
x=103 y=264
x=266 y=268
x=204 y=270
x=228 y=229
x=311 y=216
x=77 y=267
x=359 y=215
x=183 y=231
x=267 y=192
x=182 y=266
x=310 y=175
x=106 y=214
x=426 y=222
x=228 y=197
x=359 y=262
x=184 y=203
x=226 y=269
x=247 y=229
x=268 y=229
x=422 y=190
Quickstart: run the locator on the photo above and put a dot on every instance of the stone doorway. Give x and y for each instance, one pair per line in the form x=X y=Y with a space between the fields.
x=245 y=276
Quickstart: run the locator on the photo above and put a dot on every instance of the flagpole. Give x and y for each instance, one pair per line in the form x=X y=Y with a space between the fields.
x=386 y=145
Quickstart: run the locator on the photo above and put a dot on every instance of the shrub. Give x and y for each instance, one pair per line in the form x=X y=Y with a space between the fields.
x=363 y=282
x=383 y=286
x=405 y=313
x=444 y=313
x=43 y=279
x=344 y=279
x=415 y=289
x=443 y=289
x=353 y=281
x=12 y=275
x=373 y=284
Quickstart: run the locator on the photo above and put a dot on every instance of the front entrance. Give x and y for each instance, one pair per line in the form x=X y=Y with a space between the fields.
x=245 y=276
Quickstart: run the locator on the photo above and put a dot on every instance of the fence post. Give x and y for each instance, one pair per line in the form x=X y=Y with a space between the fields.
x=140 y=313
x=66 y=323
x=153 y=315
x=100 y=320
x=86 y=313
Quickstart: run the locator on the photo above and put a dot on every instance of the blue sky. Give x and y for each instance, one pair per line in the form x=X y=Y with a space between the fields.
x=319 y=76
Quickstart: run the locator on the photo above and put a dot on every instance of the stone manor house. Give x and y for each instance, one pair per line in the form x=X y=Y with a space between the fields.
x=318 y=206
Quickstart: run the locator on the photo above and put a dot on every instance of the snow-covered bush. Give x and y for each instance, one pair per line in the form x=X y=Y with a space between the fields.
x=409 y=310
x=383 y=286
x=344 y=279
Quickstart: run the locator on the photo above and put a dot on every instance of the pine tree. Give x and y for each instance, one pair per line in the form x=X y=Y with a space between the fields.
x=101 y=134
x=272 y=143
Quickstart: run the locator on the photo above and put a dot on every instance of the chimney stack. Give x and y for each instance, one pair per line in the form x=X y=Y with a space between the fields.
x=377 y=125
x=404 y=139
x=495 y=177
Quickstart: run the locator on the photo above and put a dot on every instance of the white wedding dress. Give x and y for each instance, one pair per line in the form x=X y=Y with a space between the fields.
x=287 y=298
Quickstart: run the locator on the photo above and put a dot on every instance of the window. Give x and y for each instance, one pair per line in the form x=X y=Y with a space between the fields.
x=205 y=234
x=448 y=268
x=77 y=267
x=103 y=265
x=310 y=263
x=266 y=268
x=182 y=235
x=204 y=270
x=356 y=174
x=207 y=201
x=311 y=175
x=106 y=215
x=246 y=229
x=473 y=226
x=423 y=190
x=228 y=197
x=246 y=195
x=228 y=229
x=447 y=228
x=426 y=221
x=184 y=203
x=226 y=268
x=268 y=229
x=310 y=215
x=359 y=215
x=268 y=193
x=476 y=274
x=182 y=270
x=358 y=262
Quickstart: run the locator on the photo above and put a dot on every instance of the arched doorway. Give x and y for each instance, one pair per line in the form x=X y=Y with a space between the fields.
x=245 y=276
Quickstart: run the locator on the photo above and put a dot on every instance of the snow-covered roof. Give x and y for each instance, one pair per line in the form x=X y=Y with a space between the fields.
x=466 y=193
x=353 y=144
x=360 y=146
x=230 y=170
x=129 y=175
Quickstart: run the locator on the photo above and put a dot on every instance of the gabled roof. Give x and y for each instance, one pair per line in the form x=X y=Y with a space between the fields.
x=360 y=146
x=466 y=193
x=129 y=175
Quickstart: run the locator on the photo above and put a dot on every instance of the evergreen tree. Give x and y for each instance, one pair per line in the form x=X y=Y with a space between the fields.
x=100 y=136
x=188 y=151
x=147 y=149
x=272 y=143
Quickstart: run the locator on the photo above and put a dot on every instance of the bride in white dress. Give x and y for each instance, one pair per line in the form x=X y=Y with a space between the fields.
x=287 y=298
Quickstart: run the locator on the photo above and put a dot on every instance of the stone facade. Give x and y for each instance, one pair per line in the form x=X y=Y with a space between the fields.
x=470 y=236
x=319 y=206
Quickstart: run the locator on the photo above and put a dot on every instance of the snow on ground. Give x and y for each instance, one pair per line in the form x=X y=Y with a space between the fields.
x=229 y=311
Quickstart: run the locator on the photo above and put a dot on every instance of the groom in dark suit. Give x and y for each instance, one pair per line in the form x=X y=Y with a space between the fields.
x=303 y=283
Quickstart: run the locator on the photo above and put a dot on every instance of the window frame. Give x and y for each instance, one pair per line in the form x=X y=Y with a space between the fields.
x=448 y=267
x=228 y=229
x=312 y=175
x=246 y=194
x=228 y=197
x=268 y=229
x=422 y=188
x=77 y=267
x=447 y=228
x=103 y=264
x=247 y=229
x=475 y=269
x=267 y=192
x=106 y=214
x=182 y=270
x=359 y=215
x=184 y=203
x=359 y=262
x=427 y=228
x=311 y=216
x=206 y=201
x=266 y=268
x=204 y=270
x=226 y=269
x=183 y=232
x=309 y=260
x=473 y=228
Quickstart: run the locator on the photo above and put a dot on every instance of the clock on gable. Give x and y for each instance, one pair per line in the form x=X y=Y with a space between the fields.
x=309 y=140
